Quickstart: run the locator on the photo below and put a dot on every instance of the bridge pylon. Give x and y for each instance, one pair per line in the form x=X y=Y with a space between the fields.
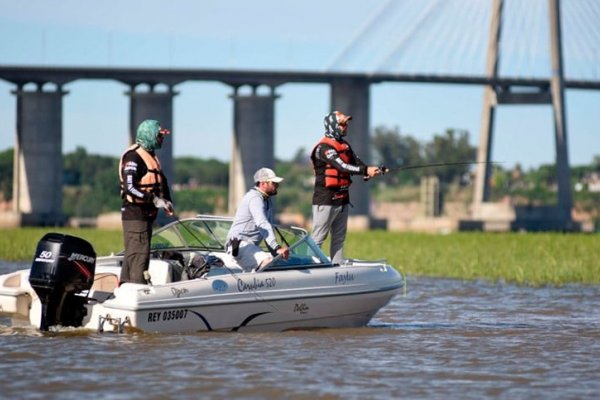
x=531 y=218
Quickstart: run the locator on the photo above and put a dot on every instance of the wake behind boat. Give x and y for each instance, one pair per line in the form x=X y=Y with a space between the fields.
x=195 y=286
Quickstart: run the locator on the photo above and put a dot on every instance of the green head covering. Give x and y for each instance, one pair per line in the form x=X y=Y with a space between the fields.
x=147 y=135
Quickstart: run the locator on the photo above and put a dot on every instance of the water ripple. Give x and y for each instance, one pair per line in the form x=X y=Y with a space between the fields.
x=444 y=339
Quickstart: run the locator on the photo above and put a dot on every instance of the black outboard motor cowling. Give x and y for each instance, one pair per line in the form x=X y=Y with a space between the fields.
x=62 y=267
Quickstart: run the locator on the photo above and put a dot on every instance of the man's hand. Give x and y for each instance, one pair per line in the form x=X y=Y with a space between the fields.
x=284 y=252
x=164 y=204
x=372 y=171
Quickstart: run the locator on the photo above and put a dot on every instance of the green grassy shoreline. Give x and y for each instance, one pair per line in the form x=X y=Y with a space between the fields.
x=535 y=259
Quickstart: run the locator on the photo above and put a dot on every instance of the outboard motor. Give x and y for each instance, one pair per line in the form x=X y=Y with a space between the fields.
x=63 y=266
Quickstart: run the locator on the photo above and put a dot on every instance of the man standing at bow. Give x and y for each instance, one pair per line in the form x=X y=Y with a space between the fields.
x=334 y=162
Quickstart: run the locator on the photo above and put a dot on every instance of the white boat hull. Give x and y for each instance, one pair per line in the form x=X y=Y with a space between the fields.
x=302 y=292
x=336 y=297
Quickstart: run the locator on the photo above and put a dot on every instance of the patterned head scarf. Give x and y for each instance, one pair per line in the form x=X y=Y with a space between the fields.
x=332 y=123
x=147 y=134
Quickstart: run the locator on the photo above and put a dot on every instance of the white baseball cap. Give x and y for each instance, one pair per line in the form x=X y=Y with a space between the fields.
x=266 y=175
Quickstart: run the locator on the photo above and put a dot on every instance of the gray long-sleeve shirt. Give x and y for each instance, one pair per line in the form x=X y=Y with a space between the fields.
x=253 y=219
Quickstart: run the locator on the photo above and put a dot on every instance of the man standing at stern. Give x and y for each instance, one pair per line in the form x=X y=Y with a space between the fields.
x=334 y=162
x=144 y=190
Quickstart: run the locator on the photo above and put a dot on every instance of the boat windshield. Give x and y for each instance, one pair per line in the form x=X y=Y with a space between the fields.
x=195 y=234
x=303 y=253
x=207 y=233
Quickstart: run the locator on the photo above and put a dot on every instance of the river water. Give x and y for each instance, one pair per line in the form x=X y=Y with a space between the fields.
x=442 y=339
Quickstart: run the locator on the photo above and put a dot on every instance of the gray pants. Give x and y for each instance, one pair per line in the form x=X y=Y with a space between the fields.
x=136 y=236
x=332 y=219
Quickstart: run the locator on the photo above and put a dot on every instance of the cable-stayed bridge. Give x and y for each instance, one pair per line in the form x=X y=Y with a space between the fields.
x=451 y=38
x=519 y=52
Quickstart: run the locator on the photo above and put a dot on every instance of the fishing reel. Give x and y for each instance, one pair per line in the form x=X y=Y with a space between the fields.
x=384 y=170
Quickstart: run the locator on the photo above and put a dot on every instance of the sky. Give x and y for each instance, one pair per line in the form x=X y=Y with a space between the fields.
x=429 y=36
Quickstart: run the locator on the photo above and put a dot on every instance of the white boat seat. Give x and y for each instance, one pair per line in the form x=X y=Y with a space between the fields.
x=229 y=261
x=164 y=271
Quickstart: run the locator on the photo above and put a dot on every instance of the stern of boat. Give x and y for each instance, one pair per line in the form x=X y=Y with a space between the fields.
x=16 y=295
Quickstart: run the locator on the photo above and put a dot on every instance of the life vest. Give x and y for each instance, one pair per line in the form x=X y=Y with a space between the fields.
x=335 y=179
x=151 y=182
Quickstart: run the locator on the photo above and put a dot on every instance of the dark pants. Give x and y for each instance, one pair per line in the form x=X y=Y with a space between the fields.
x=136 y=236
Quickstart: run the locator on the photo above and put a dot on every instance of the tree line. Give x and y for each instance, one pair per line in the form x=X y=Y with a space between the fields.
x=91 y=185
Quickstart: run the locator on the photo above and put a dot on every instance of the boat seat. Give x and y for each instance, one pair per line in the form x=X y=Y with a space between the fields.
x=104 y=285
x=105 y=282
x=230 y=266
x=229 y=260
x=164 y=271
x=13 y=281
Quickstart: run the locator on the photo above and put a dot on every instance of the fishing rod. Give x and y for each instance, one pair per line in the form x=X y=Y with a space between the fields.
x=283 y=239
x=434 y=165
x=385 y=170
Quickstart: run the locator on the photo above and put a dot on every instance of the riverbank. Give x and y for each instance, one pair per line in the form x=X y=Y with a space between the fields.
x=19 y=244
x=534 y=259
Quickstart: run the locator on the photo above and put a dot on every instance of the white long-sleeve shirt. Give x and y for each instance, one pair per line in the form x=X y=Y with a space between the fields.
x=253 y=220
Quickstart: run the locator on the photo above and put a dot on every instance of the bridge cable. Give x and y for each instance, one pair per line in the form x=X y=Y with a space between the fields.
x=409 y=33
x=573 y=40
x=535 y=45
x=589 y=32
x=465 y=56
x=460 y=53
x=360 y=33
x=477 y=38
x=420 y=59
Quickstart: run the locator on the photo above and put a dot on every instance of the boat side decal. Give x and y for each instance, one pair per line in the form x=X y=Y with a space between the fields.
x=178 y=292
x=343 y=278
x=208 y=327
x=248 y=319
x=219 y=285
x=301 y=308
x=255 y=283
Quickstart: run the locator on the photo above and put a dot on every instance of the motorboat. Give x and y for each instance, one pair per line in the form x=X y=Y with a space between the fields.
x=195 y=285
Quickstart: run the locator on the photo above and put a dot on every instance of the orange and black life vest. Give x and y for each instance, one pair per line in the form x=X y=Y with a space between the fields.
x=151 y=182
x=335 y=179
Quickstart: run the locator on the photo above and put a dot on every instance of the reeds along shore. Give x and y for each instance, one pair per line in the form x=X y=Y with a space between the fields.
x=534 y=259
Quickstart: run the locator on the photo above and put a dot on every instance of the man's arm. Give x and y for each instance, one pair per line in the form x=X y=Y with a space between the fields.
x=165 y=188
x=262 y=222
x=329 y=155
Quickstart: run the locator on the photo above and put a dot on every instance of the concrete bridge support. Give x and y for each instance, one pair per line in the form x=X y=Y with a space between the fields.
x=38 y=169
x=158 y=106
x=351 y=96
x=253 y=141
x=565 y=198
x=484 y=169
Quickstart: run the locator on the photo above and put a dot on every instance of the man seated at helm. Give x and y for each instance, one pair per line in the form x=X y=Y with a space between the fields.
x=253 y=223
